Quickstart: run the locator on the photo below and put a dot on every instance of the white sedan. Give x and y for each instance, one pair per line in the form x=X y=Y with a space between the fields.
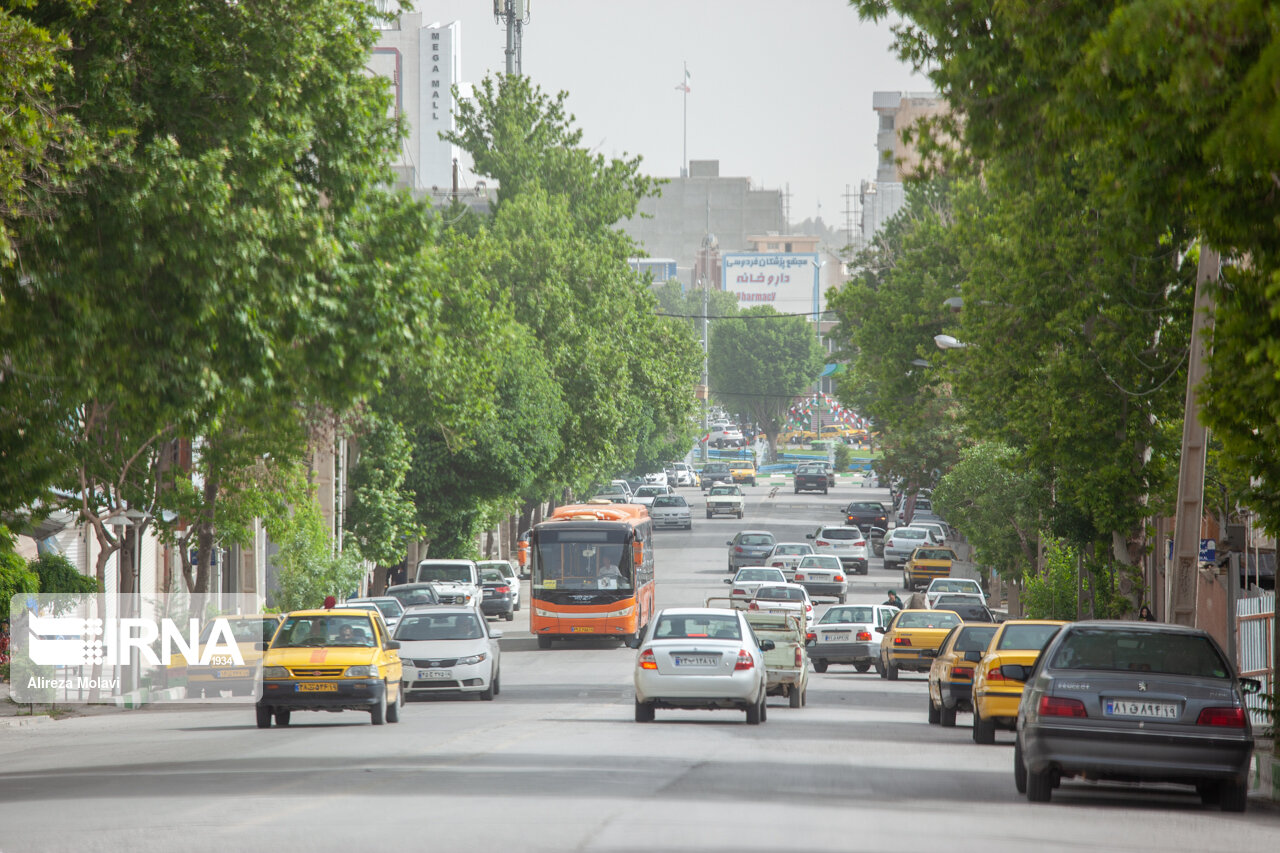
x=700 y=657
x=785 y=556
x=848 y=635
x=749 y=579
x=671 y=511
x=947 y=586
x=645 y=494
x=783 y=598
x=448 y=650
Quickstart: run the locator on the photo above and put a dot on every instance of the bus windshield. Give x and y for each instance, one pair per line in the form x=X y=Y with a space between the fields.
x=582 y=559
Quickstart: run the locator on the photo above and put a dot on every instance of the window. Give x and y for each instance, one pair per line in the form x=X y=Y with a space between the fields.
x=698 y=625
x=886 y=121
x=1131 y=650
x=1027 y=637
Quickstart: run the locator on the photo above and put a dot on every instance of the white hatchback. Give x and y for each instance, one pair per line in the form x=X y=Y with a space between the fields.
x=946 y=586
x=448 y=650
x=700 y=657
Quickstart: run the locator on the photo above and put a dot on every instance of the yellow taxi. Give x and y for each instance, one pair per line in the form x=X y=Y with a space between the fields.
x=331 y=660
x=222 y=673
x=995 y=695
x=927 y=563
x=743 y=471
x=951 y=675
x=911 y=640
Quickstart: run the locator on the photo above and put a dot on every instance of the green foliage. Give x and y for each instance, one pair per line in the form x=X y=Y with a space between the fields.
x=844 y=455
x=759 y=361
x=1053 y=594
x=989 y=496
x=307 y=570
x=381 y=514
x=57 y=574
x=15 y=577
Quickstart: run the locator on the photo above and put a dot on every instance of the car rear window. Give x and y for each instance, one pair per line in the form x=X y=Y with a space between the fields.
x=699 y=626
x=841 y=533
x=820 y=561
x=932 y=619
x=756 y=539
x=849 y=614
x=934 y=554
x=969 y=612
x=1026 y=637
x=955 y=586
x=780 y=593
x=867 y=507
x=793 y=549
x=909 y=534
x=759 y=575
x=975 y=639
x=1132 y=650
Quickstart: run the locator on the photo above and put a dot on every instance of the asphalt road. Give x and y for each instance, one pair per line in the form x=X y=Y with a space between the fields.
x=555 y=763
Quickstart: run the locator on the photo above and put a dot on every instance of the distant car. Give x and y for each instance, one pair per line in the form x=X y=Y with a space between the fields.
x=712 y=473
x=783 y=598
x=847 y=635
x=995 y=693
x=498 y=598
x=786 y=555
x=864 y=514
x=645 y=494
x=749 y=548
x=811 y=477
x=822 y=574
x=940 y=528
x=875 y=538
x=449 y=650
x=1134 y=701
x=844 y=542
x=747 y=580
x=925 y=565
x=701 y=658
x=951 y=673
x=616 y=492
x=912 y=639
x=388 y=605
x=939 y=586
x=901 y=542
x=684 y=474
x=830 y=471
x=671 y=511
x=414 y=594
x=657 y=478
x=968 y=607
x=727 y=437
x=509 y=571
x=787 y=663
x=726 y=500
x=456 y=581
x=743 y=472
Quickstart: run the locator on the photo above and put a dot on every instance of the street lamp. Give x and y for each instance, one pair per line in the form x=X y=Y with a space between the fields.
x=948 y=342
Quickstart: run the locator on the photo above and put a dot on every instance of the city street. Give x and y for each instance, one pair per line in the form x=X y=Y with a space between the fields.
x=556 y=762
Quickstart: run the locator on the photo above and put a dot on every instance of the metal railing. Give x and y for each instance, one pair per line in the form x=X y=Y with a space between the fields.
x=1255 y=622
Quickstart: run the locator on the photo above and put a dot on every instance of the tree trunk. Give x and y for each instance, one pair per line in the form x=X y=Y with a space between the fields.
x=204 y=537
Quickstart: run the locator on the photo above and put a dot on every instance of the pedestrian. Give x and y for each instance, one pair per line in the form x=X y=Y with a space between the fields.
x=893 y=600
x=1145 y=614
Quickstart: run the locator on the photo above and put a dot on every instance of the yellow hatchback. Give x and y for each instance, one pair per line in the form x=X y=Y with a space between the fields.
x=222 y=673
x=911 y=641
x=995 y=695
x=331 y=660
x=743 y=471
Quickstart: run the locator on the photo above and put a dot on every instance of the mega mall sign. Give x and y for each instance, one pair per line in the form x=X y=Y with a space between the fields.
x=786 y=282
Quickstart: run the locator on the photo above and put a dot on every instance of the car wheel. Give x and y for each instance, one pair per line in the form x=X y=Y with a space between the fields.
x=862 y=667
x=264 y=717
x=1019 y=769
x=1039 y=786
x=880 y=670
x=947 y=716
x=797 y=491
x=497 y=683
x=739 y=514
x=984 y=731
x=756 y=713
x=544 y=642
x=1233 y=796
x=1210 y=793
x=393 y=708
x=764 y=708
x=891 y=672
x=282 y=718
x=840 y=599
x=644 y=712
x=378 y=713
x=890 y=566
x=820 y=666
x=708 y=513
x=487 y=694
x=824 y=491
x=689 y=526
x=517 y=605
x=510 y=615
x=934 y=717
x=795 y=698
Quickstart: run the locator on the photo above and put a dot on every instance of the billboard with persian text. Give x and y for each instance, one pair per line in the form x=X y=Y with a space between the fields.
x=785 y=281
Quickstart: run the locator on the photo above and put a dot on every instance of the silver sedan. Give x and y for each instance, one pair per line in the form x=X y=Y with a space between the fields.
x=700 y=657
x=671 y=511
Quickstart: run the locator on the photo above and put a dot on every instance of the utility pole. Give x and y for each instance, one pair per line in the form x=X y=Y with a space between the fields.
x=516 y=14
x=1183 y=578
x=848 y=216
x=684 y=127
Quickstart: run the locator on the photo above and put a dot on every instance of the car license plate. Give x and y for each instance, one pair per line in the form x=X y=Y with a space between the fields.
x=695 y=660
x=435 y=673
x=582 y=629
x=1135 y=708
x=233 y=673
x=317 y=687
x=836 y=636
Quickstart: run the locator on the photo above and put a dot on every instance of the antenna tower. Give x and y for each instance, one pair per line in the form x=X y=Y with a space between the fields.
x=516 y=15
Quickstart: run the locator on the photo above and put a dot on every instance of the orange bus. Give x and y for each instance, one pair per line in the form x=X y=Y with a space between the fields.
x=591 y=573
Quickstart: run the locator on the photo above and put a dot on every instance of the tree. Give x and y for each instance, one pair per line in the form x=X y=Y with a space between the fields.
x=381 y=515
x=759 y=361
x=308 y=570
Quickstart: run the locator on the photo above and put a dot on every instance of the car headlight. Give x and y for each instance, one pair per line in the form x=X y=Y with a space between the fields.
x=470 y=659
x=370 y=671
x=274 y=672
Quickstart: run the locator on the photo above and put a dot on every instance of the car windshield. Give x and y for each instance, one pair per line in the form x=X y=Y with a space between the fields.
x=908 y=533
x=1026 y=637
x=708 y=626
x=819 y=561
x=716 y=469
x=724 y=490
x=969 y=611
x=669 y=500
x=975 y=639
x=843 y=533
x=492 y=576
x=1134 y=650
x=439 y=626
x=759 y=575
x=867 y=507
x=245 y=630
x=809 y=469
x=650 y=491
x=326 y=630
x=849 y=614
x=756 y=539
x=409 y=596
x=938 y=586
x=789 y=548
x=780 y=593
x=930 y=619
x=460 y=573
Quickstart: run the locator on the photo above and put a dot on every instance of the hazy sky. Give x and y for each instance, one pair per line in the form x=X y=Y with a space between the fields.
x=780 y=89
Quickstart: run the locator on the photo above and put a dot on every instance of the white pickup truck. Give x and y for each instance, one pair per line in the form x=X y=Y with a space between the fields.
x=725 y=500
x=456 y=581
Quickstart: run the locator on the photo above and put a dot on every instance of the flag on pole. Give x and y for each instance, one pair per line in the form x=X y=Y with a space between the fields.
x=684 y=84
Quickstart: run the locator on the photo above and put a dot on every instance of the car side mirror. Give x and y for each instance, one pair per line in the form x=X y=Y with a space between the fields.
x=730 y=542
x=766 y=645
x=808 y=536
x=497 y=635
x=880 y=629
x=392 y=645
x=1250 y=685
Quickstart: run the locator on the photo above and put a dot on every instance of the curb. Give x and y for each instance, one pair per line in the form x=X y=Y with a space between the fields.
x=33 y=720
